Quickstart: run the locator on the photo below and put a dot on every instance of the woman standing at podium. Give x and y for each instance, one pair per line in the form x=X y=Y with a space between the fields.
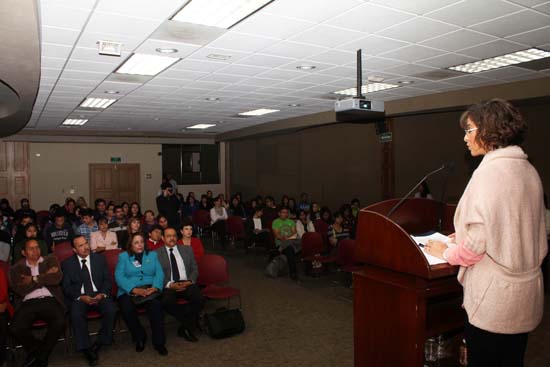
x=500 y=238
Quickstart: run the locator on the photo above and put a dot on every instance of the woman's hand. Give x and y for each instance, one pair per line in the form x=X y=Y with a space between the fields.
x=140 y=292
x=435 y=248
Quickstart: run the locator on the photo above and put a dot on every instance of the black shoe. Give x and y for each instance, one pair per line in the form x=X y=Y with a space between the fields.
x=187 y=335
x=140 y=346
x=161 y=349
x=91 y=357
x=96 y=347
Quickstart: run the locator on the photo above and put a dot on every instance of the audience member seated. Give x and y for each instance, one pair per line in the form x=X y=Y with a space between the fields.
x=60 y=231
x=304 y=203
x=256 y=232
x=169 y=205
x=225 y=204
x=155 y=238
x=149 y=221
x=87 y=287
x=423 y=191
x=31 y=233
x=25 y=210
x=189 y=207
x=349 y=220
x=284 y=201
x=210 y=198
x=110 y=213
x=45 y=225
x=126 y=209
x=303 y=224
x=204 y=203
x=139 y=277
x=237 y=208
x=292 y=211
x=284 y=230
x=100 y=209
x=134 y=226
x=252 y=206
x=69 y=207
x=6 y=209
x=20 y=228
x=162 y=221
x=337 y=231
x=36 y=284
x=187 y=239
x=103 y=239
x=119 y=226
x=180 y=277
x=6 y=226
x=88 y=225
x=315 y=212
x=355 y=207
x=270 y=210
x=135 y=211
x=6 y=312
x=81 y=203
x=218 y=216
x=326 y=215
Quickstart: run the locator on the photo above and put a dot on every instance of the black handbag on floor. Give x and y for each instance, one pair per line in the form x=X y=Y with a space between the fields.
x=224 y=323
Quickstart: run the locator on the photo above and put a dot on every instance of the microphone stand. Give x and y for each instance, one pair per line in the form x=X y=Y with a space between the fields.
x=392 y=210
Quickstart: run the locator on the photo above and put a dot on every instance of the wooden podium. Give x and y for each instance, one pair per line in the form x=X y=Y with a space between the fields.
x=399 y=299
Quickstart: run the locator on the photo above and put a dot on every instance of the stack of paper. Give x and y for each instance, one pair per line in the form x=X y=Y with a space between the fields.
x=436 y=236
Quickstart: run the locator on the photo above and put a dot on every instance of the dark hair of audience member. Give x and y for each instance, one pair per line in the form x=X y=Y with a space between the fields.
x=102 y=220
x=186 y=222
x=98 y=201
x=132 y=236
x=75 y=237
x=325 y=210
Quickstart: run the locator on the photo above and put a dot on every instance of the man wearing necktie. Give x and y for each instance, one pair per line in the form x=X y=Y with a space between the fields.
x=87 y=286
x=180 y=276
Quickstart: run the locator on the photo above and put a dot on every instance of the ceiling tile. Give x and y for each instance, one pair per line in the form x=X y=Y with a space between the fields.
x=259 y=82
x=373 y=45
x=447 y=60
x=529 y=3
x=97 y=67
x=410 y=69
x=242 y=70
x=340 y=71
x=60 y=36
x=417 y=30
x=412 y=53
x=49 y=72
x=334 y=57
x=544 y=8
x=85 y=75
x=52 y=62
x=265 y=60
x=195 y=65
x=203 y=53
x=469 y=12
x=54 y=50
x=122 y=88
x=182 y=74
x=458 y=40
x=293 y=50
x=242 y=42
x=280 y=74
x=492 y=49
x=201 y=84
x=102 y=22
x=141 y=8
x=222 y=78
x=369 y=18
x=327 y=36
x=515 y=23
x=63 y=17
x=534 y=38
x=418 y=6
x=312 y=10
x=272 y=26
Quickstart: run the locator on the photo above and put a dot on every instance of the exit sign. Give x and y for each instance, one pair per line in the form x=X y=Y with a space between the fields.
x=116 y=159
x=385 y=137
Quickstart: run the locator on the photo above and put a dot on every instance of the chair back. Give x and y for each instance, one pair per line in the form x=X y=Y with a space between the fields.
x=5 y=266
x=212 y=270
x=201 y=218
x=346 y=253
x=63 y=250
x=312 y=244
x=235 y=226
x=111 y=256
x=42 y=217
x=321 y=227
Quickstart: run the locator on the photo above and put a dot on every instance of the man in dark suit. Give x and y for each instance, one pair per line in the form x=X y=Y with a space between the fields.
x=169 y=205
x=180 y=277
x=87 y=286
x=35 y=281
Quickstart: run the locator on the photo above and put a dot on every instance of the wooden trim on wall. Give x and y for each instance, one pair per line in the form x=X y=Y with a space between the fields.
x=388 y=164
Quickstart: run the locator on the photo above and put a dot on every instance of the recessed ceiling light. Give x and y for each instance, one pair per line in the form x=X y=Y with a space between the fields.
x=258 y=112
x=109 y=48
x=369 y=88
x=219 y=57
x=111 y=92
x=375 y=79
x=306 y=67
x=166 y=50
x=218 y=13
x=142 y=64
x=213 y=99
x=294 y=105
x=403 y=82
x=201 y=126
x=100 y=103
x=156 y=119
x=74 y=122
x=37 y=154
x=502 y=61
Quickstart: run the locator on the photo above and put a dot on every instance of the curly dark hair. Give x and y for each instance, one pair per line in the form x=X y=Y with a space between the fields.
x=499 y=124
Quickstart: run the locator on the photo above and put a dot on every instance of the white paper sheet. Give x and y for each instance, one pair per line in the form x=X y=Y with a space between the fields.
x=432 y=260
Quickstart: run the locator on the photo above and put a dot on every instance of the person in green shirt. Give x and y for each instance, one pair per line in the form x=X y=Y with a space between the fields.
x=284 y=230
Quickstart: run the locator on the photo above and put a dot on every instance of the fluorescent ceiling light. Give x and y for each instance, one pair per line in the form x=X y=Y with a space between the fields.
x=258 y=112
x=218 y=13
x=142 y=64
x=109 y=48
x=501 y=61
x=201 y=126
x=369 y=88
x=74 y=122
x=97 y=102
x=306 y=67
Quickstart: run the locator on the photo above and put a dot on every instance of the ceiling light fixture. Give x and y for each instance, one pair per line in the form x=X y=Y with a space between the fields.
x=111 y=92
x=501 y=61
x=142 y=64
x=375 y=79
x=294 y=105
x=219 y=57
x=218 y=13
x=213 y=99
x=306 y=67
x=258 y=112
x=109 y=48
x=99 y=103
x=74 y=122
x=405 y=82
x=166 y=50
x=201 y=126
x=369 y=88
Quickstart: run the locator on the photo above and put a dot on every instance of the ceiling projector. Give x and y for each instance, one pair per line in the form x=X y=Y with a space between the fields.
x=358 y=104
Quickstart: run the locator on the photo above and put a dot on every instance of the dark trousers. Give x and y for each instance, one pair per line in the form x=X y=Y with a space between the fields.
x=79 y=322
x=486 y=349
x=219 y=228
x=46 y=309
x=187 y=314
x=291 y=258
x=3 y=335
x=258 y=238
x=155 y=314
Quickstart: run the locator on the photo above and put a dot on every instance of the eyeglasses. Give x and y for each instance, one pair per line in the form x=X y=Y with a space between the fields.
x=471 y=130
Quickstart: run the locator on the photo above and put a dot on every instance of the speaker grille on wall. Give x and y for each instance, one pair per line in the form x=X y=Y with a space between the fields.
x=381 y=127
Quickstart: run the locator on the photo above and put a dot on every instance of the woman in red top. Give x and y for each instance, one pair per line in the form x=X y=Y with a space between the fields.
x=189 y=240
x=5 y=313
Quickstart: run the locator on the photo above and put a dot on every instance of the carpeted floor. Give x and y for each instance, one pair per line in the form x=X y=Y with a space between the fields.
x=308 y=323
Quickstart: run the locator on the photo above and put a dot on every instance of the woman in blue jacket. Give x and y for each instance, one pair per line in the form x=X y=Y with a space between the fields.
x=139 y=274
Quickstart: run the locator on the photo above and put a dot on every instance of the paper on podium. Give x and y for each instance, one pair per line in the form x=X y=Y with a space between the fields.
x=436 y=236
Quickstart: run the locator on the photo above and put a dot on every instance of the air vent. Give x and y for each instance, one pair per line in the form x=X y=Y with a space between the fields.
x=193 y=34
x=438 y=74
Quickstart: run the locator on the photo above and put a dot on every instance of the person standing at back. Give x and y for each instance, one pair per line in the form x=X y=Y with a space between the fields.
x=169 y=206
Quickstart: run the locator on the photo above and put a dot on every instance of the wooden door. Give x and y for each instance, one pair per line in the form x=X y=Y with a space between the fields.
x=117 y=182
x=14 y=172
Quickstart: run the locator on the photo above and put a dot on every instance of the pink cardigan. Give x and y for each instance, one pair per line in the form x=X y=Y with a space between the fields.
x=501 y=237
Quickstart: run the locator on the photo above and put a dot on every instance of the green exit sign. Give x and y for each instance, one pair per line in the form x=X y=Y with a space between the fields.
x=116 y=159
x=385 y=137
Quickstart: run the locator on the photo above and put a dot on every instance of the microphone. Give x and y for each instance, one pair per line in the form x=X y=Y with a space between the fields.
x=449 y=166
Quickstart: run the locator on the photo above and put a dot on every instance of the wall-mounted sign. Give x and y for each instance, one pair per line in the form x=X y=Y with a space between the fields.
x=385 y=137
x=116 y=159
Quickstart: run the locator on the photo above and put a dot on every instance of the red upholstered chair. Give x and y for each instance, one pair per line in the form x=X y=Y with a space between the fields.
x=4 y=265
x=312 y=249
x=42 y=217
x=346 y=257
x=201 y=220
x=235 y=228
x=213 y=271
x=63 y=251
x=321 y=227
x=111 y=257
